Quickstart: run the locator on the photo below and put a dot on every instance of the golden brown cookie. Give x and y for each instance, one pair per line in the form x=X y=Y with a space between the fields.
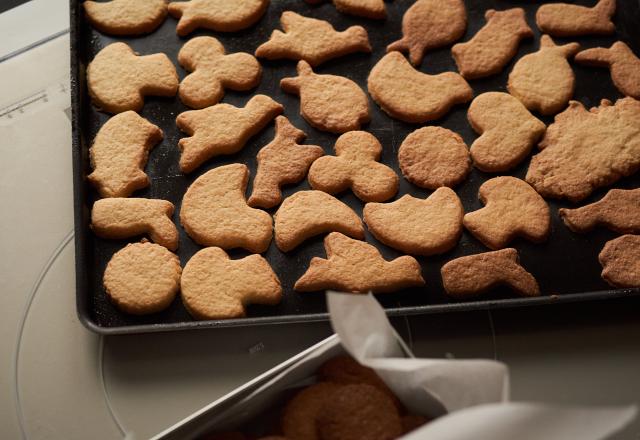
x=212 y=71
x=215 y=287
x=476 y=274
x=356 y=266
x=120 y=218
x=217 y=15
x=412 y=96
x=120 y=152
x=300 y=416
x=126 y=17
x=512 y=209
x=508 y=131
x=431 y=157
x=584 y=150
x=623 y=63
x=328 y=102
x=417 y=226
x=222 y=129
x=118 y=79
x=620 y=260
x=346 y=370
x=282 y=161
x=359 y=411
x=543 y=81
x=142 y=278
x=362 y=8
x=355 y=166
x=214 y=211
x=493 y=46
x=566 y=20
x=309 y=213
x=430 y=24
x=619 y=211
x=312 y=40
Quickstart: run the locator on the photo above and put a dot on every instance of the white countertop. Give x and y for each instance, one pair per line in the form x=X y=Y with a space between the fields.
x=58 y=380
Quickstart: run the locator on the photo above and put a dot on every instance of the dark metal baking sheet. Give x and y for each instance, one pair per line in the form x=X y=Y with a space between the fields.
x=566 y=266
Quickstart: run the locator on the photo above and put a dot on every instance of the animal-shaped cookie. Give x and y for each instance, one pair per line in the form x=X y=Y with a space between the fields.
x=567 y=20
x=119 y=218
x=212 y=71
x=355 y=166
x=412 y=96
x=216 y=287
x=356 y=266
x=431 y=157
x=214 y=211
x=430 y=24
x=282 y=161
x=584 y=150
x=328 y=102
x=620 y=260
x=119 y=153
x=480 y=273
x=222 y=129
x=493 y=46
x=142 y=278
x=508 y=131
x=623 y=63
x=217 y=15
x=417 y=226
x=126 y=17
x=312 y=40
x=512 y=209
x=118 y=79
x=619 y=211
x=309 y=213
x=362 y=8
x=543 y=81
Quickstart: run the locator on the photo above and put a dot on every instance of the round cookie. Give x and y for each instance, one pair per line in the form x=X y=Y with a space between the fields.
x=359 y=411
x=431 y=157
x=299 y=420
x=142 y=278
x=346 y=370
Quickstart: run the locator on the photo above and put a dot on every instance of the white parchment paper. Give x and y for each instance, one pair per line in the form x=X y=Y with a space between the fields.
x=474 y=393
x=431 y=387
x=526 y=421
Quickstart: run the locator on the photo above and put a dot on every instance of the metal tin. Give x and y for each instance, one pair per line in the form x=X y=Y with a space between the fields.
x=566 y=266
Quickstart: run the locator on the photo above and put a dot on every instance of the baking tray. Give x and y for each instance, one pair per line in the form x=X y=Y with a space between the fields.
x=566 y=266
